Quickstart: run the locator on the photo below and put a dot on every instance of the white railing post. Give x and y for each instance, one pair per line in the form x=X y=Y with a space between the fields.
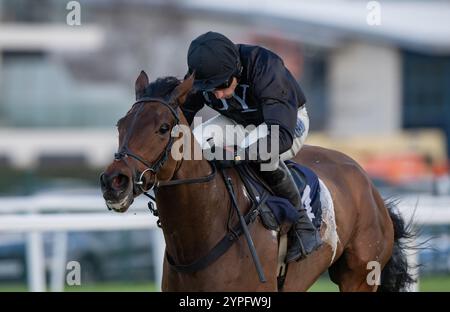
x=35 y=262
x=159 y=248
x=58 y=268
x=412 y=257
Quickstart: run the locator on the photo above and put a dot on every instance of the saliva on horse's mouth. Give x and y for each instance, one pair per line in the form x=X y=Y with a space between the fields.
x=120 y=204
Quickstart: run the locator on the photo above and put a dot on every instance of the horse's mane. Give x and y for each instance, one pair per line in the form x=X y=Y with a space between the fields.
x=161 y=87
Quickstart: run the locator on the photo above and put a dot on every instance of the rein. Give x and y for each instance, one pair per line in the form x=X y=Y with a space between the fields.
x=227 y=241
x=230 y=237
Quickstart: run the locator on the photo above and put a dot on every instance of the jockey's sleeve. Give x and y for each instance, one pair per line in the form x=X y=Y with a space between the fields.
x=194 y=103
x=278 y=93
x=285 y=139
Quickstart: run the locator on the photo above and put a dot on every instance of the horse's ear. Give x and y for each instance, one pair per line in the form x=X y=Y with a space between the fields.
x=179 y=95
x=141 y=84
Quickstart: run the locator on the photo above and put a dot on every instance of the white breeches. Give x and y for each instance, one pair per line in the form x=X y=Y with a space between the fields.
x=226 y=132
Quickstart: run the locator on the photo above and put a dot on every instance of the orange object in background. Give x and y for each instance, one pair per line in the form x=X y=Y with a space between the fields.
x=441 y=169
x=398 y=168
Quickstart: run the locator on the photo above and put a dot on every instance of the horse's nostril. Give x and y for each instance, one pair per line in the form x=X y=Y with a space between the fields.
x=119 y=182
x=115 y=182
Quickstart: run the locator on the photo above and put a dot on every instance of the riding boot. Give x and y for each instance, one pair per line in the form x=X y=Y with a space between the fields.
x=282 y=184
x=304 y=238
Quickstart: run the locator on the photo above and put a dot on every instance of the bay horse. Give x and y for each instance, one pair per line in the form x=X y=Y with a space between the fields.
x=193 y=206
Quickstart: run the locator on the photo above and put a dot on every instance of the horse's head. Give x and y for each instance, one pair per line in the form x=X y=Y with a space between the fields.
x=145 y=140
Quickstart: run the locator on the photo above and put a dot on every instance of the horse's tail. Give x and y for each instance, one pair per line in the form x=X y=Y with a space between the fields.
x=396 y=275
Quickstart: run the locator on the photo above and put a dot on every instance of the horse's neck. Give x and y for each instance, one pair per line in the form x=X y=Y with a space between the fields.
x=193 y=216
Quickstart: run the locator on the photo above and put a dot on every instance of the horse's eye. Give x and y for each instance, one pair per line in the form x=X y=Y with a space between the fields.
x=164 y=128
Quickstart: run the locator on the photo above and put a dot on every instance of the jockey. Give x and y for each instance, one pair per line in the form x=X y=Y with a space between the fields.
x=249 y=85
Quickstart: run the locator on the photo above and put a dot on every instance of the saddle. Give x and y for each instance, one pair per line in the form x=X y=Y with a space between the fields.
x=277 y=213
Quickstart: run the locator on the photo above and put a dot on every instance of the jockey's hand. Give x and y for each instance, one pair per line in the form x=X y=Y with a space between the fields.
x=245 y=155
x=240 y=154
x=228 y=156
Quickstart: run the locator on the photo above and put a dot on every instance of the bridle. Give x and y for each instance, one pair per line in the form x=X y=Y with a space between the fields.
x=125 y=152
x=226 y=242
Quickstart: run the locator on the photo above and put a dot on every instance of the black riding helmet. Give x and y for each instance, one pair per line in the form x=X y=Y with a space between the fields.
x=215 y=60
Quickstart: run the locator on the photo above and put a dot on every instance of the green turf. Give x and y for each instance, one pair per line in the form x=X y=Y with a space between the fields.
x=426 y=284
x=138 y=287
x=103 y=287
x=12 y=288
x=434 y=283
x=324 y=284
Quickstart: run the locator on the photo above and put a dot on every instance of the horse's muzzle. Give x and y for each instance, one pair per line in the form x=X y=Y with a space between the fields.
x=117 y=191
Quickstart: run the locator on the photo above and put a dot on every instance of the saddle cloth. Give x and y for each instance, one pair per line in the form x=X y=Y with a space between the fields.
x=278 y=214
x=282 y=211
